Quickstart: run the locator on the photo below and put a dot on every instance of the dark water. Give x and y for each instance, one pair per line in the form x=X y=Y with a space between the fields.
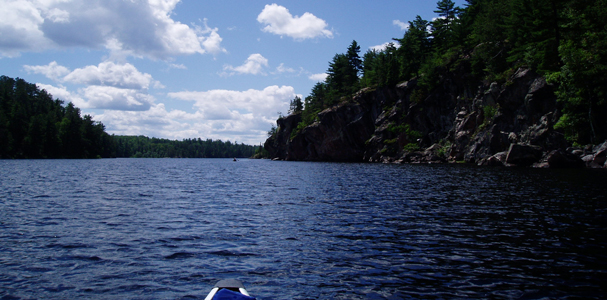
x=170 y=228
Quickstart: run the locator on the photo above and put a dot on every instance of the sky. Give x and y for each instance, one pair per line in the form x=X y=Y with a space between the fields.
x=181 y=69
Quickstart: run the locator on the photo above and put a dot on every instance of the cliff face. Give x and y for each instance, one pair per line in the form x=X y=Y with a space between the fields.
x=491 y=124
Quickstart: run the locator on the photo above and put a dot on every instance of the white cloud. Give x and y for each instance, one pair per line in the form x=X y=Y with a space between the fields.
x=211 y=43
x=318 y=77
x=253 y=65
x=63 y=94
x=138 y=28
x=111 y=74
x=224 y=104
x=102 y=97
x=243 y=116
x=279 y=21
x=282 y=69
x=108 y=85
x=383 y=46
x=19 y=28
x=53 y=70
x=402 y=25
x=108 y=97
x=105 y=74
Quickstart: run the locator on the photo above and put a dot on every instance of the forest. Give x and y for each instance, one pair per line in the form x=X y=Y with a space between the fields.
x=563 y=40
x=34 y=125
x=141 y=146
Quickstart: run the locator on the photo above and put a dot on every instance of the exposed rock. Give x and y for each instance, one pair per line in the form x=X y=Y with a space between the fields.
x=498 y=159
x=277 y=144
x=492 y=124
x=560 y=159
x=596 y=157
x=523 y=155
x=431 y=155
x=341 y=132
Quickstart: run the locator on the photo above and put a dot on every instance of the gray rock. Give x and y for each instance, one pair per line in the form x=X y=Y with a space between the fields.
x=560 y=159
x=523 y=155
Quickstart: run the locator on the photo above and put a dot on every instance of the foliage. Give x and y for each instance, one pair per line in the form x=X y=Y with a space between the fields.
x=564 y=40
x=411 y=147
x=141 y=146
x=272 y=131
x=261 y=152
x=34 y=125
x=489 y=112
x=296 y=106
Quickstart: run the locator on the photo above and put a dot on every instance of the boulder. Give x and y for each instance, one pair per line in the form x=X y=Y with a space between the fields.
x=523 y=155
x=596 y=157
x=496 y=160
x=560 y=159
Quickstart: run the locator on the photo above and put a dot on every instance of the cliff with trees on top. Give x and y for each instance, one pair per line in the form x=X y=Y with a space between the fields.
x=515 y=82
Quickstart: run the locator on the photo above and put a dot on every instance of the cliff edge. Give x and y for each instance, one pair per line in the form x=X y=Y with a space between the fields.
x=486 y=123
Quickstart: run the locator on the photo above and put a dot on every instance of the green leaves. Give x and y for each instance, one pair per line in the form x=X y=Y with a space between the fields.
x=33 y=125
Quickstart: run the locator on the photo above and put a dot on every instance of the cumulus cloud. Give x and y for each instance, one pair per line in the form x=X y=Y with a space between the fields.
x=111 y=74
x=138 y=28
x=108 y=85
x=53 y=70
x=108 y=97
x=105 y=74
x=243 y=116
x=402 y=25
x=227 y=104
x=318 y=77
x=253 y=65
x=102 y=97
x=60 y=92
x=280 y=21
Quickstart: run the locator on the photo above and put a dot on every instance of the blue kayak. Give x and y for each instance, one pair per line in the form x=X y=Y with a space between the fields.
x=229 y=289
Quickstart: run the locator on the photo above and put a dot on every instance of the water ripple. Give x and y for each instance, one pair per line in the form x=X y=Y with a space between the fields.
x=169 y=228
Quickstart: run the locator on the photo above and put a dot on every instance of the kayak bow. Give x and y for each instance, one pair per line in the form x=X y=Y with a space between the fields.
x=229 y=289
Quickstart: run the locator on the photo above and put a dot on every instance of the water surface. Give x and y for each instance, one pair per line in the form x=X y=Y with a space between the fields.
x=170 y=228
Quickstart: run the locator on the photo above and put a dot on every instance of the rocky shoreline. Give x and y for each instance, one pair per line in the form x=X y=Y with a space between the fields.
x=509 y=124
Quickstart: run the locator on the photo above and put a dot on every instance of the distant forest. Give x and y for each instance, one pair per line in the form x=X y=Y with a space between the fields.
x=141 y=146
x=34 y=125
x=563 y=40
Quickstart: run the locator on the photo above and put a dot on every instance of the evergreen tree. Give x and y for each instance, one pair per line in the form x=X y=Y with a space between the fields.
x=442 y=27
x=415 y=48
x=296 y=106
x=342 y=79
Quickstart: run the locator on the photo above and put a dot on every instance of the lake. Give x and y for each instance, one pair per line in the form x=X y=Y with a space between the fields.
x=171 y=228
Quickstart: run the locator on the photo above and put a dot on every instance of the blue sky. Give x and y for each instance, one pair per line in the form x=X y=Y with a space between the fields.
x=189 y=69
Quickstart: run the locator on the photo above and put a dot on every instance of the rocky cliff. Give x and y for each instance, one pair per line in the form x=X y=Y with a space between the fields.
x=509 y=124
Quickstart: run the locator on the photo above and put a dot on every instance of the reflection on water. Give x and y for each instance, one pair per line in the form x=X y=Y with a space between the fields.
x=170 y=228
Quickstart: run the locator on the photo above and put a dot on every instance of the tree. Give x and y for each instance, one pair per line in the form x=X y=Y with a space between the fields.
x=296 y=106
x=442 y=27
x=488 y=36
x=354 y=60
x=533 y=31
x=581 y=79
x=415 y=48
x=342 y=79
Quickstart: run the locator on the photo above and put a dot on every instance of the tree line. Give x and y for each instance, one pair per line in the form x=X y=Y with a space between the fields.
x=141 y=146
x=34 y=125
x=563 y=40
